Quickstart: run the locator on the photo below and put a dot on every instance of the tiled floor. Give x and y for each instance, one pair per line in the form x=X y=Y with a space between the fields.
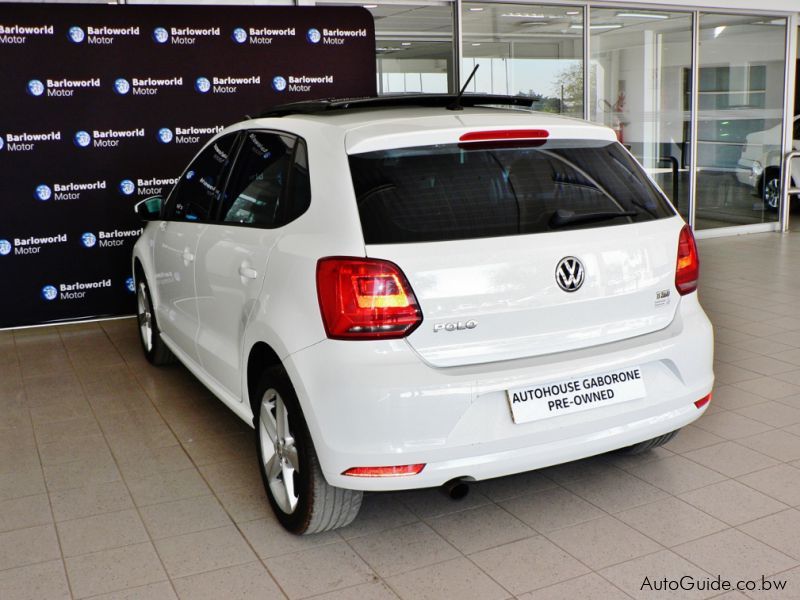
x=119 y=480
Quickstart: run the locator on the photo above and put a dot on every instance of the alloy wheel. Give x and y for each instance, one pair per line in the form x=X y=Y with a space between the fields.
x=145 y=317
x=278 y=451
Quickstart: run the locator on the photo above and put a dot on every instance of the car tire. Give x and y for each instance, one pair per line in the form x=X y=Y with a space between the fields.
x=648 y=444
x=155 y=350
x=308 y=504
x=771 y=192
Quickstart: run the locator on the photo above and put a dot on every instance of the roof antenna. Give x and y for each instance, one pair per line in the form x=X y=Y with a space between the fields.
x=456 y=105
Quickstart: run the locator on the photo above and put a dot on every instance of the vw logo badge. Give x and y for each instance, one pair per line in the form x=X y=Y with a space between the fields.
x=570 y=274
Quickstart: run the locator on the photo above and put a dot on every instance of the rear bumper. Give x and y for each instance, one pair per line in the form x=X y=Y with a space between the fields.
x=379 y=404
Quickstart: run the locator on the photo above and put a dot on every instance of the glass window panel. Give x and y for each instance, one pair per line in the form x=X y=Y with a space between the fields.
x=740 y=96
x=640 y=87
x=526 y=49
x=413 y=44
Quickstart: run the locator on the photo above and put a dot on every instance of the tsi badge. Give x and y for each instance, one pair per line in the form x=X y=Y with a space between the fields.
x=455 y=326
x=88 y=239
x=49 y=292
x=43 y=192
x=76 y=35
x=313 y=36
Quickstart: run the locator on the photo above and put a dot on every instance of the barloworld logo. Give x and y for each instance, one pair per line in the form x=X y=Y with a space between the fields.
x=18 y=34
x=76 y=35
x=35 y=87
x=43 y=192
x=82 y=139
x=202 y=85
x=49 y=292
x=160 y=35
x=122 y=86
x=127 y=187
x=73 y=291
x=34 y=245
x=2 y=143
x=25 y=142
x=88 y=239
x=313 y=36
x=186 y=135
x=130 y=285
x=279 y=83
x=165 y=135
x=239 y=35
x=5 y=247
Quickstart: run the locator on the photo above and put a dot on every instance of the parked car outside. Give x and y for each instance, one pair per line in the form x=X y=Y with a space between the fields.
x=760 y=164
x=407 y=293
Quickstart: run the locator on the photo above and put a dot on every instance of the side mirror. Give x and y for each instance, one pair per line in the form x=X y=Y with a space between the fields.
x=149 y=209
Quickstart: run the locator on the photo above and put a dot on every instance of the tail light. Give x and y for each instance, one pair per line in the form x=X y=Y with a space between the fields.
x=363 y=298
x=505 y=134
x=688 y=268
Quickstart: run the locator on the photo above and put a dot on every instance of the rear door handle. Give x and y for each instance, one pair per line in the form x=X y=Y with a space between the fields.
x=248 y=272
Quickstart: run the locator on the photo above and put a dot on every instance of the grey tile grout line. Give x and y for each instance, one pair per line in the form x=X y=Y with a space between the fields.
x=116 y=462
x=41 y=466
x=213 y=493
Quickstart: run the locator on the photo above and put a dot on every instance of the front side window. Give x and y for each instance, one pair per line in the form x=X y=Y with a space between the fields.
x=256 y=193
x=452 y=192
x=195 y=195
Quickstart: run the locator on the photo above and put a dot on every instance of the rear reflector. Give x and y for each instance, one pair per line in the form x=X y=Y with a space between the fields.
x=365 y=298
x=687 y=269
x=703 y=401
x=396 y=471
x=505 y=134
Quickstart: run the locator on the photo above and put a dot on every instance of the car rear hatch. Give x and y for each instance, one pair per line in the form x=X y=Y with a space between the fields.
x=520 y=244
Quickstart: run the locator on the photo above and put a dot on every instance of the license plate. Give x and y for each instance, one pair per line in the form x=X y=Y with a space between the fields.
x=567 y=396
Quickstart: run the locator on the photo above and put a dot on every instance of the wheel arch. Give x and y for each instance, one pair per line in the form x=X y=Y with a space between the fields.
x=260 y=358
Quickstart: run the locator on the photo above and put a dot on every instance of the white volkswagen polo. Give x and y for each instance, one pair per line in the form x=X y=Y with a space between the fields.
x=403 y=293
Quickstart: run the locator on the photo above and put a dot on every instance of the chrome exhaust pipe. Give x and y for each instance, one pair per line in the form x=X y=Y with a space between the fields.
x=456 y=489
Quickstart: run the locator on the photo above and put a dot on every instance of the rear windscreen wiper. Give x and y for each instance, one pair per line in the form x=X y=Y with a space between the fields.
x=563 y=217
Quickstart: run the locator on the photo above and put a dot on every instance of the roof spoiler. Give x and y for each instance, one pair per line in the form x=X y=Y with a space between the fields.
x=310 y=107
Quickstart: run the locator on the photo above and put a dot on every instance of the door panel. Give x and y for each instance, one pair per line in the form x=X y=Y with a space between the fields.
x=233 y=253
x=189 y=208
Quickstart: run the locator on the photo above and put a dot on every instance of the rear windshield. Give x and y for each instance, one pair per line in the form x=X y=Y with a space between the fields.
x=456 y=192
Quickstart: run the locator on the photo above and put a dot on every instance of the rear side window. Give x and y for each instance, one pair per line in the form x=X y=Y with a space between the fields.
x=255 y=194
x=453 y=192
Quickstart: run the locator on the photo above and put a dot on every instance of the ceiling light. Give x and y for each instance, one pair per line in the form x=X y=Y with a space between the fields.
x=405 y=43
x=476 y=43
x=635 y=15
x=572 y=13
x=476 y=9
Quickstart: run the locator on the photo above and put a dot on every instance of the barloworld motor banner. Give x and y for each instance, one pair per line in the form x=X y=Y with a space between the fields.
x=103 y=106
